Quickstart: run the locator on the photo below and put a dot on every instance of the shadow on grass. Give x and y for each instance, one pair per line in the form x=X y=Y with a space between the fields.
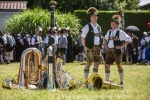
x=82 y=63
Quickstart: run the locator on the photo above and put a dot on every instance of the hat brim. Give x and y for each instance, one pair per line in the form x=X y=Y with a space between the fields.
x=114 y=21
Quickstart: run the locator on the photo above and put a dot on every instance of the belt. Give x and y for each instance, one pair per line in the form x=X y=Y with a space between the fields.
x=111 y=38
x=110 y=48
x=96 y=45
x=96 y=34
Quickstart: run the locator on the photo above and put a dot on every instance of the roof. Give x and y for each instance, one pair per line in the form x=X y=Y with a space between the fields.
x=145 y=6
x=13 y=5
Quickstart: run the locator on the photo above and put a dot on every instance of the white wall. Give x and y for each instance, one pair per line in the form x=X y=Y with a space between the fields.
x=4 y=16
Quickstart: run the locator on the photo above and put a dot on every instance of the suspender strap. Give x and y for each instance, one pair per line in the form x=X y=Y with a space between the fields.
x=109 y=36
x=101 y=41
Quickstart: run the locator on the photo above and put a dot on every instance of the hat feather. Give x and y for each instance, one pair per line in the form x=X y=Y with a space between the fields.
x=116 y=17
x=91 y=9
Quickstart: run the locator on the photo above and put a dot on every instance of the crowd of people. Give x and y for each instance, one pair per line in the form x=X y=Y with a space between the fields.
x=11 y=46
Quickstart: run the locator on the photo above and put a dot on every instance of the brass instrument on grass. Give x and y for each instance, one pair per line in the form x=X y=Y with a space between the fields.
x=64 y=79
x=8 y=83
x=29 y=73
x=56 y=73
x=50 y=64
x=95 y=81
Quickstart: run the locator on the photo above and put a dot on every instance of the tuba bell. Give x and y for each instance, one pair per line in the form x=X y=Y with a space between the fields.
x=29 y=73
x=8 y=83
x=95 y=82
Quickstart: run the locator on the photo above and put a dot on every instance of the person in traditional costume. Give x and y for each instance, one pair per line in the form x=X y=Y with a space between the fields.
x=55 y=35
x=129 y=50
x=26 y=40
x=62 y=45
x=135 y=42
x=80 y=48
x=114 y=44
x=1 y=48
x=36 y=39
x=19 y=46
x=69 y=55
x=91 y=41
x=9 y=47
x=142 y=45
x=5 y=42
x=147 y=51
x=49 y=41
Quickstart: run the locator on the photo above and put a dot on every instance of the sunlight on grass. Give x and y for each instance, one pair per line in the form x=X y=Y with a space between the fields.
x=136 y=85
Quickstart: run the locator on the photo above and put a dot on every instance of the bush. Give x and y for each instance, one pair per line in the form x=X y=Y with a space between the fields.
x=28 y=20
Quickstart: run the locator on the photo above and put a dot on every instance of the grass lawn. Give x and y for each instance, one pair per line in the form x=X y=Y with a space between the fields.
x=136 y=85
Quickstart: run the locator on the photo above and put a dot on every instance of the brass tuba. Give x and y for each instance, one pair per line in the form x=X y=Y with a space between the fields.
x=29 y=73
x=95 y=81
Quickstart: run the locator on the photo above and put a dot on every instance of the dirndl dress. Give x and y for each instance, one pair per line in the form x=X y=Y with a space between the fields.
x=147 y=53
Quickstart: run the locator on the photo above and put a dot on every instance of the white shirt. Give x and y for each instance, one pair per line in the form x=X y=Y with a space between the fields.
x=142 y=42
x=29 y=42
x=4 y=39
x=122 y=36
x=95 y=29
x=147 y=39
x=33 y=39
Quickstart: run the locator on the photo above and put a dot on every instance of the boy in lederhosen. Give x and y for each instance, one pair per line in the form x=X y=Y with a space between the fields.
x=113 y=44
x=91 y=41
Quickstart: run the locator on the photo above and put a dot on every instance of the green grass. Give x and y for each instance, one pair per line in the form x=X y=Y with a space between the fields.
x=136 y=85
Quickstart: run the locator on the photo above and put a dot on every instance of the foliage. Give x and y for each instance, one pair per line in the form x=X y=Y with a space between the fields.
x=71 y=21
x=71 y=5
x=136 y=18
x=30 y=19
x=27 y=21
x=136 y=85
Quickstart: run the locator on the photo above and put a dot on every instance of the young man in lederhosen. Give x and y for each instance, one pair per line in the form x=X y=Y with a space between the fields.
x=91 y=42
x=114 y=44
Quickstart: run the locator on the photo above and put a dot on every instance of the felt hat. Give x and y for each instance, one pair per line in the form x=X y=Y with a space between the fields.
x=92 y=11
x=116 y=18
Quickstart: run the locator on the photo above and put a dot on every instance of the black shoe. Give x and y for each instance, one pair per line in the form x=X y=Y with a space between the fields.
x=121 y=83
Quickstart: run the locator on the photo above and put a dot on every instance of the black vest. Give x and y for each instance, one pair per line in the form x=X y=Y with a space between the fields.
x=117 y=42
x=36 y=45
x=89 y=40
x=51 y=40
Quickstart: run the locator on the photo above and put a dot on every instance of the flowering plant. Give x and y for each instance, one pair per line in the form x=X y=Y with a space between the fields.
x=53 y=2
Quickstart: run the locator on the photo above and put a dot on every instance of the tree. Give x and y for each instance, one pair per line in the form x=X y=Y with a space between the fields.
x=71 y=5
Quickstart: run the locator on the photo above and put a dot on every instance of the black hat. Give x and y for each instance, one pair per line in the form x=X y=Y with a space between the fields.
x=61 y=31
x=92 y=11
x=116 y=18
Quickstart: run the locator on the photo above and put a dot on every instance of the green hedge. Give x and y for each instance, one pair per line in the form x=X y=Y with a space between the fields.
x=139 y=19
